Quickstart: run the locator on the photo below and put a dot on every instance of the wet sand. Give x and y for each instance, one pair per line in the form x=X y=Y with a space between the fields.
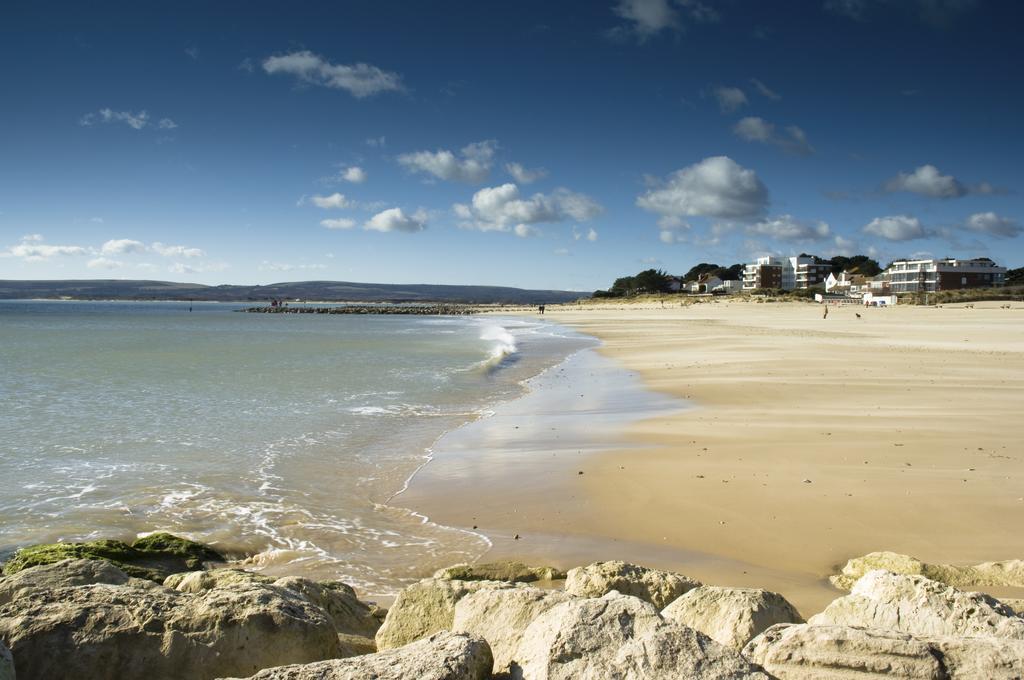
x=808 y=441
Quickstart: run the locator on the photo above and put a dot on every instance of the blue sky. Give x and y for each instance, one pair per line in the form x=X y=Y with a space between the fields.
x=533 y=144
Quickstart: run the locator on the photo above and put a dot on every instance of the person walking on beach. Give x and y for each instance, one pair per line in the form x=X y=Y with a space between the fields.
x=540 y=309
x=826 y=312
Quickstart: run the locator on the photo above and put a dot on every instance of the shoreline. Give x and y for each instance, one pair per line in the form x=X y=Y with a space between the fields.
x=718 y=491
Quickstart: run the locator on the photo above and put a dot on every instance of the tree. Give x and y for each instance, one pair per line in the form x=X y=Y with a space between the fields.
x=652 y=281
x=625 y=285
x=1015 y=277
x=731 y=273
x=858 y=264
x=698 y=269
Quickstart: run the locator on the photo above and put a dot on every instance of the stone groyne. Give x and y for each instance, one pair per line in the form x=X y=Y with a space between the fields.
x=100 y=610
x=427 y=310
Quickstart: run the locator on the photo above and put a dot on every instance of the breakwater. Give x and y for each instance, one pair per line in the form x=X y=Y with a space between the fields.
x=428 y=310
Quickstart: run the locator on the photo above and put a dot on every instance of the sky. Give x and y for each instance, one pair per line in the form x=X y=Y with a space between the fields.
x=531 y=144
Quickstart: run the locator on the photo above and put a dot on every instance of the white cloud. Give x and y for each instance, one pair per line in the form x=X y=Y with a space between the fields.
x=133 y=120
x=730 y=98
x=525 y=231
x=896 y=228
x=33 y=249
x=393 y=219
x=104 y=263
x=754 y=129
x=788 y=228
x=282 y=267
x=672 y=229
x=338 y=223
x=176 y=251
x=590 y=235
x=524 y=175
x=360 y=80
x=354 y=174
x=377 y=142
x=764 y=90
x=928 y=181
x=714 y=187
x=193 y=52
x=472 y=165
x=645 y=18
x=182 y=268
x=993 y=225
x=844 y=246
x=501 y=208
x=335 y=201
x=122 y=246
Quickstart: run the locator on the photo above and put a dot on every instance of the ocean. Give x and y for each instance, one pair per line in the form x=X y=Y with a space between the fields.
x=283 y=438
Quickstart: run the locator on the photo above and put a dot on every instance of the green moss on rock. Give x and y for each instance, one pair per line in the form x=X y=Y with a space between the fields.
x=499 y=571
x=154 y=557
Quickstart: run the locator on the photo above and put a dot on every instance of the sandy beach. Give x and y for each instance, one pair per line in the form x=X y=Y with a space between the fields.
x=807 y=441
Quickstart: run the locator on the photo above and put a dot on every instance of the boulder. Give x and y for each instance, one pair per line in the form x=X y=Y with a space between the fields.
x=63 y=573
x=731 y=616
x=651 y=585
x=442 y=656
x=6 y=663
x=153 y=557
x=500 y=571
x=1004 y=573
x=198 y=581
x=427 y=607
x=809 y=652
x=502 y=616
x=622 y=637
x=103 y=631
x=338 y=600
x=919 y=606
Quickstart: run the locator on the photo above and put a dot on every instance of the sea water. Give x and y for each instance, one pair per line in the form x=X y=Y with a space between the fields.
x=279 y=437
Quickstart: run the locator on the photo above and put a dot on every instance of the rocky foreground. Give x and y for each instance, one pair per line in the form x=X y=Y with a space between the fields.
x=82 y=616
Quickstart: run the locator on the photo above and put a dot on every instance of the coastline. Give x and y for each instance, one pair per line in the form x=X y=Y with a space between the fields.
x=780 y=396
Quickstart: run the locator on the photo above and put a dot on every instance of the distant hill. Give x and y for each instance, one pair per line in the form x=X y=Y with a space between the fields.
x=340 y=291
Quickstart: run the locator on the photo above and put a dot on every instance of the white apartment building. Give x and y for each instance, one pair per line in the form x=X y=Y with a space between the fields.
x=930 y=276
x=787 y=273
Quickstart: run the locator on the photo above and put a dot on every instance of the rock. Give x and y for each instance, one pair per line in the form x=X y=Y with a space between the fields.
x=731 y=616
x=6 y=663
x=338 y=600
x=198 y=581
x=809 y=652
x=500 y=571
x=442 y=656
x=103 y=631
x=154 y=557
x=1005 y=573
x=427 y=607
x=622 y=637
x=919 y=606
x=657 y=587
x=349 y=615
x=63 y=573
x=502 y=616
